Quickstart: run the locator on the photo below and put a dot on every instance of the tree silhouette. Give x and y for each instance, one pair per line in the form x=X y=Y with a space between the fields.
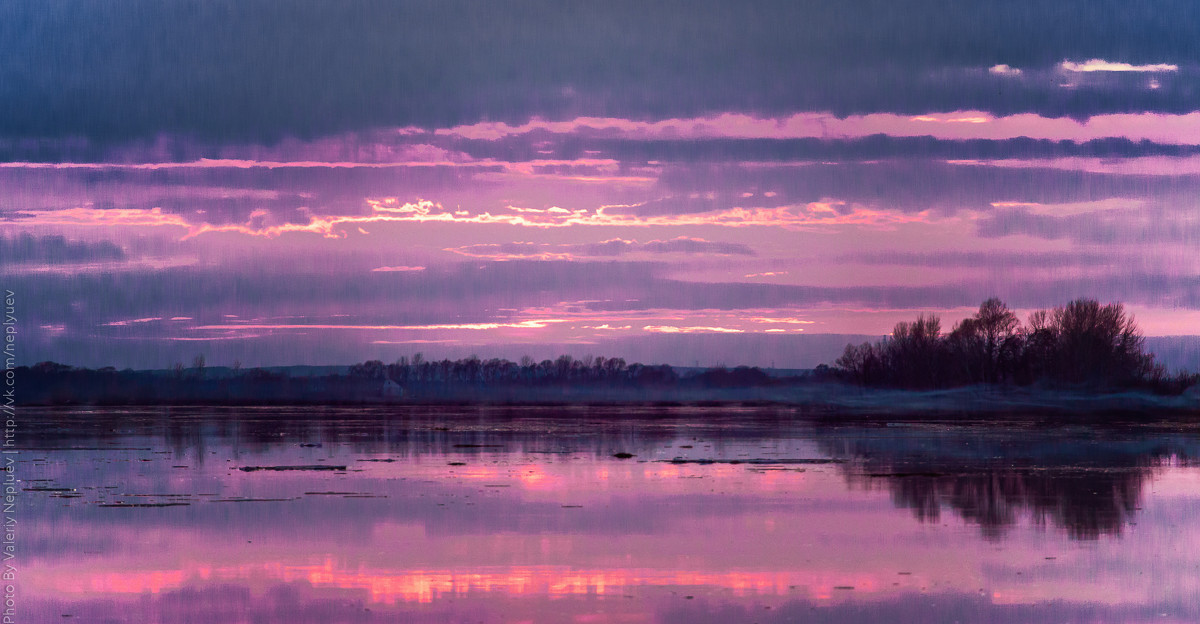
x=1082 y=342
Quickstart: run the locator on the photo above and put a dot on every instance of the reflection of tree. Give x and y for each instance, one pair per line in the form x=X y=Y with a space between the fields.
x=1087 y=487
x=1087 y=503
x=410 y=431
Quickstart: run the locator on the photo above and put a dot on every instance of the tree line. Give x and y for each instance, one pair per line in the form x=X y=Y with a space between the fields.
x=564 y=369
x=52 y=383
x=1081 y=343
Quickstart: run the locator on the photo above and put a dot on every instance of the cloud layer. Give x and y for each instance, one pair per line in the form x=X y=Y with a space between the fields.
x=238 y=177
x=261 y=70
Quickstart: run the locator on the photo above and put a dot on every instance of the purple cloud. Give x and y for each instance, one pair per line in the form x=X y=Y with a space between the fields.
x=609 y=248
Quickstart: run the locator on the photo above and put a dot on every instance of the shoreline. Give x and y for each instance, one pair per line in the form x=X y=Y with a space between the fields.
x=825 y=399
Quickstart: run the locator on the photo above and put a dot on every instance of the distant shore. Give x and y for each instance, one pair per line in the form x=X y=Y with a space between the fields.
x=613 y=381
x=816 y=396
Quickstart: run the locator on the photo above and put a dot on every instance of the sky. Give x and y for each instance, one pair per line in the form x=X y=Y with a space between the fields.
x=686 y=182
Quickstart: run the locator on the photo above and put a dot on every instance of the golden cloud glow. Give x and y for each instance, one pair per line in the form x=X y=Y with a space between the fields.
x=784 y=320
x=390 y=209
x=1101 y=65
x=531 y=324
x=1004 y=70
x=766 y=274
x=671 y=329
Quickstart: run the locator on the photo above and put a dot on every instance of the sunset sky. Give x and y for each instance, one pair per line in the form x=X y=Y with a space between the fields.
x=323 y=183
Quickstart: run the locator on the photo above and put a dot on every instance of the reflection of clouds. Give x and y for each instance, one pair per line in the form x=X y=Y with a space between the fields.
x=746 y=536
x=303 y=603
x=229 y=602
x=386 y=586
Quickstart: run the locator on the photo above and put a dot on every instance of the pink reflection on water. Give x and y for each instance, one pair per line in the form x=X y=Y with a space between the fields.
x=572 y=533
x=425 y=586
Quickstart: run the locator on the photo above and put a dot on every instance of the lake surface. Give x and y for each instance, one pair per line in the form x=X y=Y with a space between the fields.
x=721 y=515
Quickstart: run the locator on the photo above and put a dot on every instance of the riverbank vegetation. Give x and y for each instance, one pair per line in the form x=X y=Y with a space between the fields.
x=1081 y=344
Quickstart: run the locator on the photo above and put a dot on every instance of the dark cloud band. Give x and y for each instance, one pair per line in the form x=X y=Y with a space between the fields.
x=263 y=70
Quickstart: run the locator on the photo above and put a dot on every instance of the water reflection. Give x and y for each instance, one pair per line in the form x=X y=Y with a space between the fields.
x=940 y=607
x=526 y=515
x=1086 y=482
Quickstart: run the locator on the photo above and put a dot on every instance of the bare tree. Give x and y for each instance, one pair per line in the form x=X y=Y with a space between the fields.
x=1099 y=343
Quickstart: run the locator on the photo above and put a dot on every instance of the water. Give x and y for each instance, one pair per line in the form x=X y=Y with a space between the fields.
x=524 y=515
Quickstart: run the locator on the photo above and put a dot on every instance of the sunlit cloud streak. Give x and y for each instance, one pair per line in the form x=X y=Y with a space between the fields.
x=393 y=269
x=1101 y=65
x=390 y=210
x=671 y=329
x=732 y=193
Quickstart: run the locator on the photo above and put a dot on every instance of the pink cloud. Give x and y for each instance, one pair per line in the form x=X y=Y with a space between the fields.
x=112 y=217
x=1181 y=129
x=402 y=269
x=608 y=248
